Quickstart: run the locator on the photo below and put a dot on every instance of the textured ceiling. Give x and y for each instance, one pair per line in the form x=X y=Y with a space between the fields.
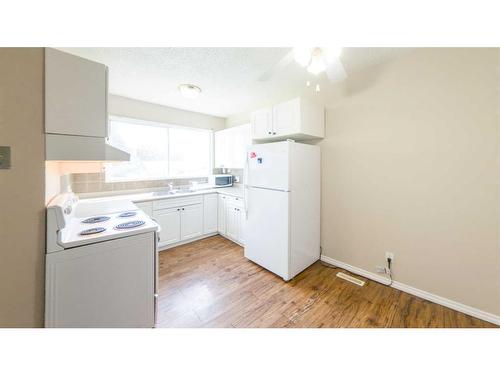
x=228 y=77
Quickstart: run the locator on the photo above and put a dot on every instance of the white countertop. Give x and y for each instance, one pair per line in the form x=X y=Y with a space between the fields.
x=151 y=195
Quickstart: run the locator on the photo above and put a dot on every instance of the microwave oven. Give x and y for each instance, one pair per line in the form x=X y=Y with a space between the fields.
x=221 y=180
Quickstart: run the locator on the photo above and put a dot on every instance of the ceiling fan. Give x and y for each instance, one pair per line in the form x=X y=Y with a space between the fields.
x=315 y=59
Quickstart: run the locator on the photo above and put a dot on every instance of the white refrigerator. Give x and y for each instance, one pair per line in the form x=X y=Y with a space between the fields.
x=282 y=194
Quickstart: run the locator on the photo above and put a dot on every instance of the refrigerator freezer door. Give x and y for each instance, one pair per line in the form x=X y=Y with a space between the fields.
x=268 y=166
x=267 y=240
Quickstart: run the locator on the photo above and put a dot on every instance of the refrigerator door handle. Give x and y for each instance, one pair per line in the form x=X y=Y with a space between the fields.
x=245 y=186
x=245 y=201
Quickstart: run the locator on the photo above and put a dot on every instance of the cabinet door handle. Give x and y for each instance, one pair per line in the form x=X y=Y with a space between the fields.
x=274 y=133
x=182 y=208
x=268 y=132
x=178 y=209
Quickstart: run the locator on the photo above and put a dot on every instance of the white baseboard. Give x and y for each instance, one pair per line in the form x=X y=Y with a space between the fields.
x=187 y=241
x=230 y=239
x=472 y=311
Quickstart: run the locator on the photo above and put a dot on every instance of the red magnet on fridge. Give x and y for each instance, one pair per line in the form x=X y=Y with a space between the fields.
x=253 y=155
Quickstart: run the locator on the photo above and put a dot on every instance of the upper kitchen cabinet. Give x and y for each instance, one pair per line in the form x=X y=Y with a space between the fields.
x=76 y=109
x=298 y=119
x=262 y=123
x=230 y=146
x=76 y=95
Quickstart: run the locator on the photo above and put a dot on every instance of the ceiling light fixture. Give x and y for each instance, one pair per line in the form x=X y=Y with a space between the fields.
x=189 y=91
x=317 y=64
x=302 y=55
x=332 y=54
x=316 y=59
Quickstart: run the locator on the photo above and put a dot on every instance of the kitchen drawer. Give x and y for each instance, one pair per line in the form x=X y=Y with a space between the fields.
x=177 y=202
x=235 y=201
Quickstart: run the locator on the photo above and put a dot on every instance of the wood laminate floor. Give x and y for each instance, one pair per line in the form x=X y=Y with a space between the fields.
x=209 y=283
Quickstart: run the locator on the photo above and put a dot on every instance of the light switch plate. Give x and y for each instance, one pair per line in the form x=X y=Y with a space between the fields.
x=4 y=157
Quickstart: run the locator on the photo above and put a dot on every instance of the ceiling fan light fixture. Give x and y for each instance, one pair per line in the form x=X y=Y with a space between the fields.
x=317 y=64
x=332 y=54
x=189 y=91
x=302 y=55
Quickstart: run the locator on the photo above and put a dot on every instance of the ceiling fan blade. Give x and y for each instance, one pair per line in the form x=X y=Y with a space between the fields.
x=335 y=71
x=284 y=61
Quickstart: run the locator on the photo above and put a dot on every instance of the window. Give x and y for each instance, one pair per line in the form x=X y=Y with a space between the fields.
x=158 y=151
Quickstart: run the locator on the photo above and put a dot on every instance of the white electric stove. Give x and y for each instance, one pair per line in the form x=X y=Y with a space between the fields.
x=101 y=265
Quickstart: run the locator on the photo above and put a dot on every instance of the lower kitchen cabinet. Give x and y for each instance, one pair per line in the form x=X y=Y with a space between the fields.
x=191 y=221
x=210 y=213
x=189 y=218
x=241 y=224
x=221 y=214
x=231 y=222
x=179 y=224
x=235 y=217
x=169 y=220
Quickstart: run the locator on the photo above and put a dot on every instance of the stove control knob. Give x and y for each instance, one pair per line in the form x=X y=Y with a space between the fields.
x=68 y=210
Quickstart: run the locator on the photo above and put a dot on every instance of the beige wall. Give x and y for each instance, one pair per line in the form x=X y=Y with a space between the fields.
x=22 y=214
x=126 y=107
x=53 y=177
x=238 y=119
x=410 y=165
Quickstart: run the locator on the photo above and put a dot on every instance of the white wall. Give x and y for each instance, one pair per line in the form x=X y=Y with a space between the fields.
x=126 y=107
x=237 y=119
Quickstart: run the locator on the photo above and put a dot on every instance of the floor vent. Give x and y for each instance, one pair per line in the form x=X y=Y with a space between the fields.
x=351 y=279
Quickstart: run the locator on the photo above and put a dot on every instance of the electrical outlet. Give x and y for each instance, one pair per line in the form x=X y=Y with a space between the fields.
x=380 y=269
x=389 y=256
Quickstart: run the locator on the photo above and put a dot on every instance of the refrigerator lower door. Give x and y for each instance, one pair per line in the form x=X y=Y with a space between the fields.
x=267 y=239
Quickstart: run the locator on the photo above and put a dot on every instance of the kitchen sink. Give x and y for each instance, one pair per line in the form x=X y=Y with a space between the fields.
x=172 y=192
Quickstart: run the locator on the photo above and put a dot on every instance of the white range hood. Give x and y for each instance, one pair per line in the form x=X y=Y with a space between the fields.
x=73 y=147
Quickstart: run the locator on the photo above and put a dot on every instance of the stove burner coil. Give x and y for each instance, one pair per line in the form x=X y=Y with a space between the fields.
x=130 y=224
x=90 y=231
x=95 y=219
x=128 y=214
